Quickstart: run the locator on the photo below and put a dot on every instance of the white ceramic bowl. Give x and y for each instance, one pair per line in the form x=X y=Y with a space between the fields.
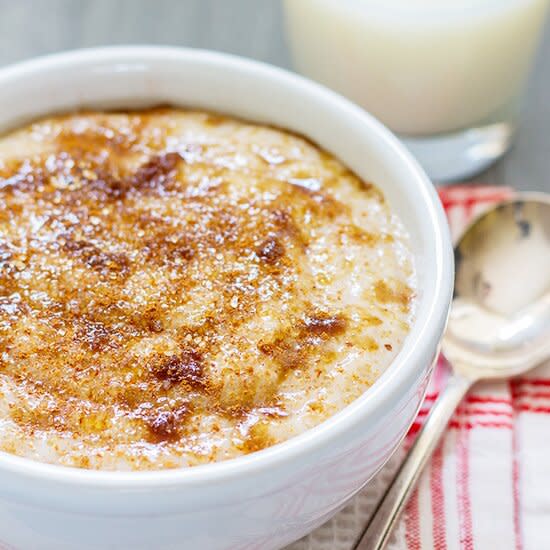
x=272 y=497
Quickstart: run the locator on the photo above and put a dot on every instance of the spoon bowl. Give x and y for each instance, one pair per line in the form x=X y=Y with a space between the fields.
x=500 y=319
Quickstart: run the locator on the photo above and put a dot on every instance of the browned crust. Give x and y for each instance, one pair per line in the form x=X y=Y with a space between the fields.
x=87 y=228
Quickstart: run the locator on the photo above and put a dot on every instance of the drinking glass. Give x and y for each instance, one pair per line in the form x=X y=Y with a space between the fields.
x=447 y=76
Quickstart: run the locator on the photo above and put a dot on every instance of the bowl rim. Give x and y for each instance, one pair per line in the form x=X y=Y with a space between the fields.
x=403 y=366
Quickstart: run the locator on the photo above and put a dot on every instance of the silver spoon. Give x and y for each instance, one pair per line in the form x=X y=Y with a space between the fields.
x=499 y=327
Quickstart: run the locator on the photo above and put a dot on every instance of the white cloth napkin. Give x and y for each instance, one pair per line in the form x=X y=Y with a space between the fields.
x=488 y=484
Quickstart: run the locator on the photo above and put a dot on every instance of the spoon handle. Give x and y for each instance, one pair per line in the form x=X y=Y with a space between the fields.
x=380 y=526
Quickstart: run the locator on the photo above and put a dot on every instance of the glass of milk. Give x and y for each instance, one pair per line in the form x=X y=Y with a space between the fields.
x=445 y=75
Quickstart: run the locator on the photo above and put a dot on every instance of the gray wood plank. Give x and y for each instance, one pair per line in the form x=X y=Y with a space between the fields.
x=526 y=166
x=251 y=28
x=244 y=27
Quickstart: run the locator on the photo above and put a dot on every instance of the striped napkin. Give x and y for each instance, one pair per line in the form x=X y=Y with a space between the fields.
x=487 y=486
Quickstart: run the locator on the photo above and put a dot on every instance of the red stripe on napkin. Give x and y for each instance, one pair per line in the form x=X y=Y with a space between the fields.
x=463 y=492
x=438 y=502
x=412 y=523
x=515 y=481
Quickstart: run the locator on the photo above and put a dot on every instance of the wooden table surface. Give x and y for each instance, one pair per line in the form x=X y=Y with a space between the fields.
x=251 y=28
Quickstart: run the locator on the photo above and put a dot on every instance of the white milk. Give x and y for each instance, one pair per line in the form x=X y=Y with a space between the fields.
x=421 y=66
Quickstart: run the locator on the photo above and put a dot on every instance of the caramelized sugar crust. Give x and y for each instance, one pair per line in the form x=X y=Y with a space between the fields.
x=178 y=288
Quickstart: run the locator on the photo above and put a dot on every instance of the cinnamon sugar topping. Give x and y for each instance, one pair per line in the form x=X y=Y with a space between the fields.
x=178 y=288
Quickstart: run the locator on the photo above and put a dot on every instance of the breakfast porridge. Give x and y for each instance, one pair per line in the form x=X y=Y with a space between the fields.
x=180 y=288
